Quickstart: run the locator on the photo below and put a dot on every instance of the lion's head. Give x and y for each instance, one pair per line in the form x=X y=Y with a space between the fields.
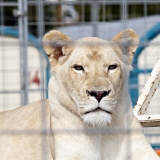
x=90 y=75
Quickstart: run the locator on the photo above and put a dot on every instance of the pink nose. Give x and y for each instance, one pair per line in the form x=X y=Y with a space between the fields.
x=98 y=94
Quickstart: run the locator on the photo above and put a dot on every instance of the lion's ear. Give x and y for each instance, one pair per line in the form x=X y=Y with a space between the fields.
x=126 y=43
x=53 y=42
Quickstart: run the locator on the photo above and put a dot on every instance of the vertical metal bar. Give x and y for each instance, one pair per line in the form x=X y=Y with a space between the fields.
x=23 y=40
x=40 y=17
x=3 y=57
x=145 y=12
x=59 y=12
x=95 y=17
x=83 y=12
x=145 y=28
x=25 y=10
x=124 y=15
x=21 y=51
x=104 y=11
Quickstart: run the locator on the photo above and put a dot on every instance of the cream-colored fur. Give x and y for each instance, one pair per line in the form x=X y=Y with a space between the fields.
x=87 y=74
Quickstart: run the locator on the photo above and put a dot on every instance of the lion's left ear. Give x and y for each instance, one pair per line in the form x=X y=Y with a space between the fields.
x=126 y=43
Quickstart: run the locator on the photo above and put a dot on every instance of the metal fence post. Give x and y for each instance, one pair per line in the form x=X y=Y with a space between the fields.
x=23 y=40
x=95 y=17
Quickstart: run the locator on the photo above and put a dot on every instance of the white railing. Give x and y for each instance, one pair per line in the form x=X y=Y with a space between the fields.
x=146 y=97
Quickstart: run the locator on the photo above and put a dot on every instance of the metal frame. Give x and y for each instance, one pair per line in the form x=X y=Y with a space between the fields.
x=23 y=41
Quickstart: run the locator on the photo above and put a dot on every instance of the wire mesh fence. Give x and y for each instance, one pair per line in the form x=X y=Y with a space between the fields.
x=25 y=68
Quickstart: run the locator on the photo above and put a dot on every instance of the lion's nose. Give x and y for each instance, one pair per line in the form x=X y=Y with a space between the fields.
x=98 y=94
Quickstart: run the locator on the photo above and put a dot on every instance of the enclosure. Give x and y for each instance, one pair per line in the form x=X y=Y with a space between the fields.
x=24 y=66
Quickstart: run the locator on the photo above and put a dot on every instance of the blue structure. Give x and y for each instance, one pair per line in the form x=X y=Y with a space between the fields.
x=9 y=31
x=133 y=80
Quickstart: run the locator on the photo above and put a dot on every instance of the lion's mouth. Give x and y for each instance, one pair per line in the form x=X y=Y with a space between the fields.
x=98 y=109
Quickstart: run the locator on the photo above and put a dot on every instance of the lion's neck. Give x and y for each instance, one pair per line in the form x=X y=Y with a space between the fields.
x=74 y=139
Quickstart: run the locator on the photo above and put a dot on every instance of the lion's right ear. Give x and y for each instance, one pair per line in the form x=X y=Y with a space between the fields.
x=53 y=42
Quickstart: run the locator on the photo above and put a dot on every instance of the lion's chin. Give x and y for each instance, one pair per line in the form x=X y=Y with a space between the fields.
x=97 y=119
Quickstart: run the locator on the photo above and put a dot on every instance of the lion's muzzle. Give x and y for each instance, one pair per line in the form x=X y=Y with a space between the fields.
x=98 y=94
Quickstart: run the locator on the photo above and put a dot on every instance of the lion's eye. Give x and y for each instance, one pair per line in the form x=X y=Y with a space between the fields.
x=78 y=68
x=112 y=67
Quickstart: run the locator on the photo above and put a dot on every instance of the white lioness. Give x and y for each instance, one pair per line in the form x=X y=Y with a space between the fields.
x=88 y=115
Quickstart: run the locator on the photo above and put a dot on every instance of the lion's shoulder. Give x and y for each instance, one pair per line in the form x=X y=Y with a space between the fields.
x=27 y=116
x=22 y=132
